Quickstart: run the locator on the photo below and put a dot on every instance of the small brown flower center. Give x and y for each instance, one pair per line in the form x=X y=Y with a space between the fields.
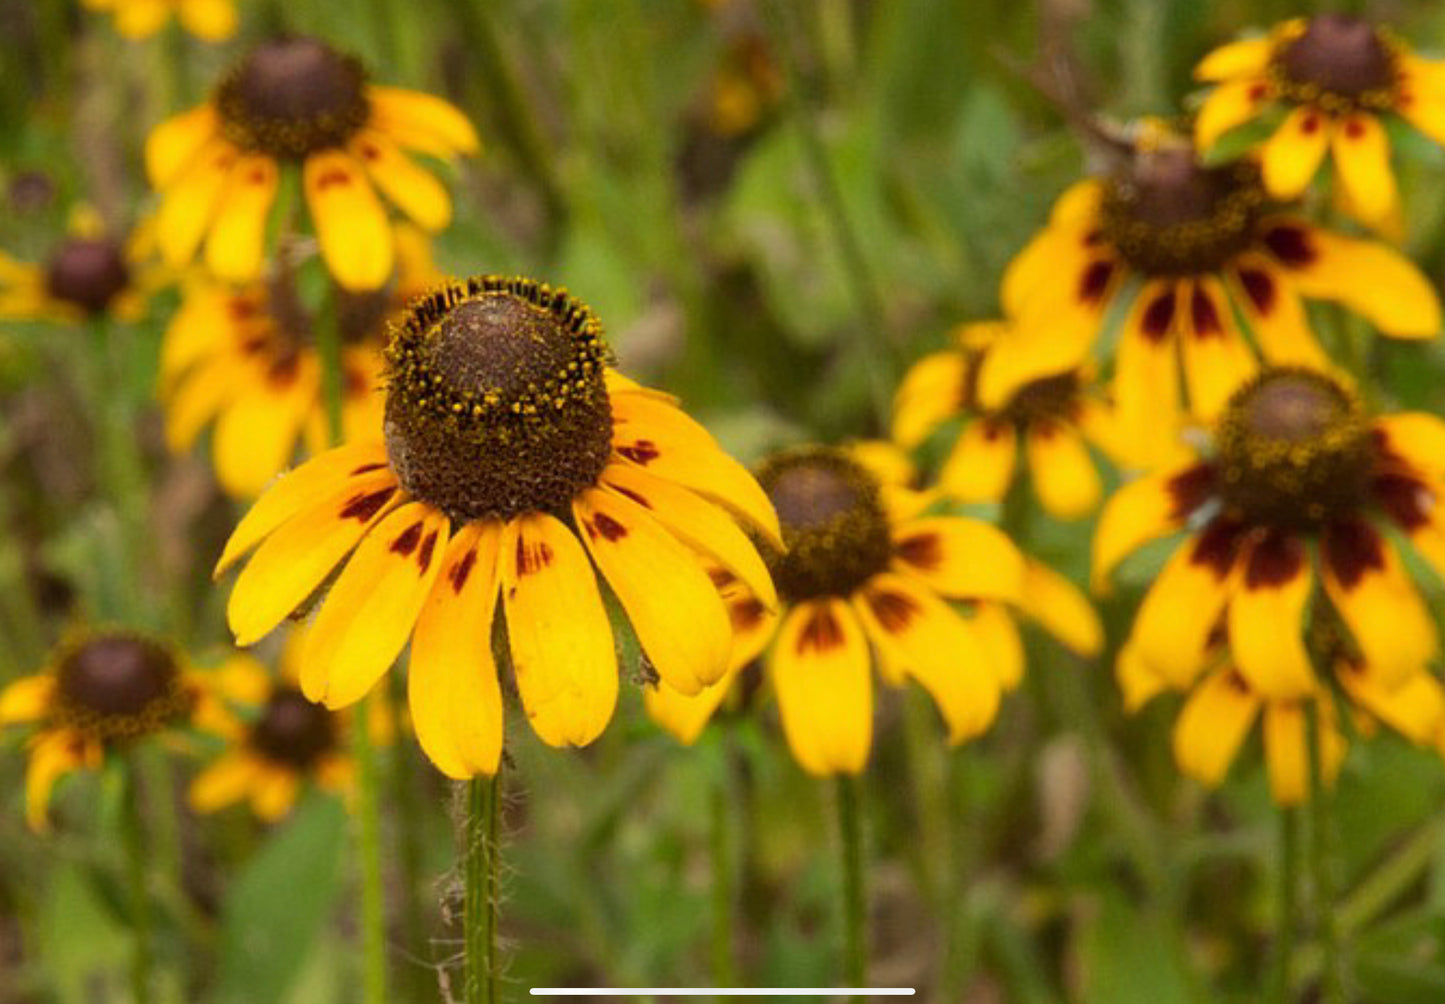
x=1051 y=399
x=1338 y=62
x=1293 y=450
x=834 y=526
x=496 y=403
x=292 y=730
x=87 y=273
x=1168 y=214
x=119 y=686
x=292 y=96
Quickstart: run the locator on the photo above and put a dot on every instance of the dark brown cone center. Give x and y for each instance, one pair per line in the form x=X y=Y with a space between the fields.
x=1292 y=408
x=87 y=273
x=117 y=676
x=1340 y=54
x=293 y=730
x=296 y=78
x=498 y=342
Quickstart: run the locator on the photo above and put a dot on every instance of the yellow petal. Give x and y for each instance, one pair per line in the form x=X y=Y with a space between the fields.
x=1266 y=618
x=653 y=435
x=1063 y=473
x=1362 y=159
x=141 y=18
x=1227 y=106
x=1062 y=609
x=27 y=699
x=996 y=631
x=1213 y=725
x=361 y=466
x=421 y=121
x=981 y=464
x=1246 y=57
x=678 y=616
x=225 y=782
x=371 y=610
x=189 y=205
x=174 y=144
x=1368 y=585
x=1137 y=682
x=237 y=243
x=351 y=225
x=1175 y=624
x=1216 y=360
x=960 y=557
x=619 y=384
x=294 y=560
x=1416 y=437
x=931 y=392
x=452 y=688
x=413 y=189
x=200 y=326
x=274 y=793
x=919 y=634
x=1293 y=154
x=1274 y=311
x=1146 y=376
x=1146 y=509
x=819 y=668
x=1286 y=751
x=1421 y=97
x=684 y=716
x=51 y=755
x=256 y=433
x=197 y=400
x=884 y=460
x=1414 y=708
x=210 y=20
x=561 y=640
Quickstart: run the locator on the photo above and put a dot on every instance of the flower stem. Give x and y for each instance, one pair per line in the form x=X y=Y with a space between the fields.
x=482 y=861
x=134 y=838
x=722 y=881
x=1288 y=904
x=368 y=836
x=1321 y=854
x=855 y=934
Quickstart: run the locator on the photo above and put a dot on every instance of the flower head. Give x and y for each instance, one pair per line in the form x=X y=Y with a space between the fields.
x=1052 y=417
x=1289 y=574
x=866 y=570
x=514 y=460
x=1186 y=247
x=297 y=101
x=1338 y=79
x=211 y=20
x=88 y=274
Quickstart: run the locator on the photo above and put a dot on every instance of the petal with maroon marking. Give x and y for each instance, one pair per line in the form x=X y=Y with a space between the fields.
x=1417 y=438
x=1216 y=359
x=981 y=464
x=1146 y=376
x=351 y=224
x=1274 y=311
x=1176 y=624
x=1292 y=155
x=1227 y=107
x=1146 y=509
x=1267 y=614
x=960 y=557
x=819 y=669
x=237 y=241
x=1362 y=161
x=189 y=205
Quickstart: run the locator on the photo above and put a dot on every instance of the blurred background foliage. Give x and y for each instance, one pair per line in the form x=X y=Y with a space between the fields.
x=1058 y=858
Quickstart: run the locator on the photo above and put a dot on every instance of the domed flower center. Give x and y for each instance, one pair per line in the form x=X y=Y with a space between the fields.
x=833 y=522
x=1170 y=215
x=87 y=273
x=1293 y=450
x=1338 y=62
x=292 y=730
x=1051 y=399
x=292 y=96
x=119 y=686
x=495 y=401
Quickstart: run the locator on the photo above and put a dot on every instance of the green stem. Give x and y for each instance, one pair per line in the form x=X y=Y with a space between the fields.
x=122 y=470
x=134 y=838
x=409 y=822
x=178 y=67
x=373 y=903
x=482 y=862
x=959 y=937
x=872 y=332
x=1288 y=904
x=722 y=881
x=1321 y=854
x=855 y=934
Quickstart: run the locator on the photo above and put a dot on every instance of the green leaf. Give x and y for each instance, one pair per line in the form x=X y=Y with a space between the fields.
x=1404 y=964
x=277 y=906
x=1125 y=956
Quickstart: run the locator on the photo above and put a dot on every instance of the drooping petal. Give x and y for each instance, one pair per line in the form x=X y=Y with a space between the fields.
x=1273 y=309
x=1418 y=438
x=52 y=754
x=1421 y=95
x=172 y=145
x=421 y=121
x=224 y=782
x=1292 y=155
x=452 y=688
x=1146 y=376
x=678 y=616
x=371 y=610
x=237 y=241
x=189 y=205
x=652 y=434
x=819 y=669
x=27 y=699
x=1056 y=250
x=1151 y=507
x=294 y=560
x=1137 y=682
x=1267 y=614
x=1368 y=585
x=1175 y=626
x=413 y=189
x=1362 y=160
x=960 y=557
x=256 y=433
x=931 y=392
x=351 y=224
x=889 y=464
x=1414 y=708
x=1227 y=106
x=1246 y=57
x=1213 y=725
x=1062 y=609
x=1063 y=473
x=994 y=627
x=210 y=20
x=1286 y=751
x=981 y=464
x=274 y=793
x=919 y=634
x=561 y=639
x=1216 y=360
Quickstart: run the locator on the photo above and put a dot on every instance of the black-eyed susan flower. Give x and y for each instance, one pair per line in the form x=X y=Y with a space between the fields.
x=278 y=742
x=866 y=571
x=1187 y=249
x=102 y=691
x=295 y=101
x=1290 y=575
x=89 y=274
x=514 y=460
x=245 y=358
x=211 y=20
x=1338 y=80
x=1051 y=419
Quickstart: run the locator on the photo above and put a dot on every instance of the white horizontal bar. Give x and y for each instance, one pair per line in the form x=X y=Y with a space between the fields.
x=723 y=991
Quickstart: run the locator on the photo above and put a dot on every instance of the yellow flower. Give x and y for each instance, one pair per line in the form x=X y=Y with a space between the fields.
x=296 y=101
x=211 y=20
x=1184 y=247
x=1052 y=416
x=246 y=358
x=1337 y=78
x=1289 y=571
x=514 y=460
x=284 y=742
x=88 y=275
x=102 y=691
x=865 y=566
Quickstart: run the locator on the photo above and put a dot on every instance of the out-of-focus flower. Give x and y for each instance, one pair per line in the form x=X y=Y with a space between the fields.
x=211 y=20
x=1186 y=247
x=1339 y=80
x=864 y=568
x=297 y=101
x=89 y=274
x=512 y=455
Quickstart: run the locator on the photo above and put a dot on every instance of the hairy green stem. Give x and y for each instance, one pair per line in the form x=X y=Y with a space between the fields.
x=368 y=831
x=1288 y=911
x=482 y=861
x=855 y=921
